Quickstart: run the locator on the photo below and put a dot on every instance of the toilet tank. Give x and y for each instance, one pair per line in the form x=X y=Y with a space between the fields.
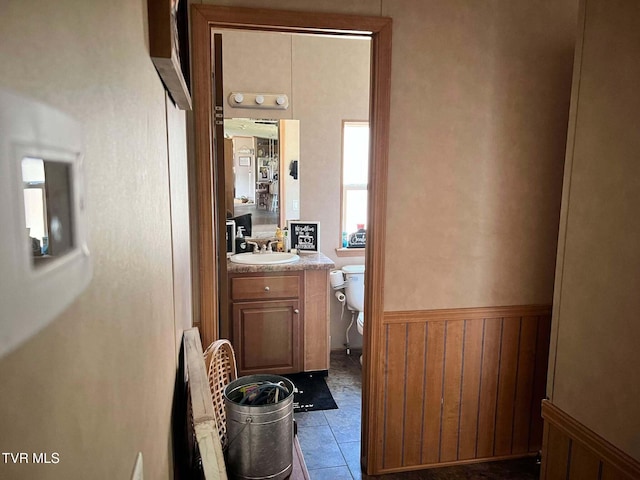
x=354 y=286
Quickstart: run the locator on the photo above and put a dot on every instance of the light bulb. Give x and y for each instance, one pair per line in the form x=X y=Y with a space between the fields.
x=259 y=99
x=238 y=98
x=281 y=99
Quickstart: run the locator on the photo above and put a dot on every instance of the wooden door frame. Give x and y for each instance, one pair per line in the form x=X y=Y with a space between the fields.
x=204 y=18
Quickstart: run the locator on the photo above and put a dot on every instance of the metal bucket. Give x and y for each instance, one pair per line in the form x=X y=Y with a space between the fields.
x=260 y=436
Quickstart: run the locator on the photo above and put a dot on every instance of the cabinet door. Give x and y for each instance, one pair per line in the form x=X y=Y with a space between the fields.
x=267 y=336
x=316 y=320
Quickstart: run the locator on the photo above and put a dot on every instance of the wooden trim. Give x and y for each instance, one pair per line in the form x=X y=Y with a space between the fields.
x=205 y=208
x=224 y=327
x=206 y=17
x=372 y=359
x=291 y=21
x=460 y=388
x=228 y=173
x=607 y=453
x=454 y=463
x=477 y=313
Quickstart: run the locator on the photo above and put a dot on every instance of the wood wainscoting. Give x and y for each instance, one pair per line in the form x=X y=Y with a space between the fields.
x=462 y=385
x=571 y=451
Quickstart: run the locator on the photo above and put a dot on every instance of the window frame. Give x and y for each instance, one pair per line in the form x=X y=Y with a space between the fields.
x=342 y=251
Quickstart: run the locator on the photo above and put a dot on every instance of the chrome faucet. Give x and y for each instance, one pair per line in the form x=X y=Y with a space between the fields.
x=256 y=247
x=268 y=246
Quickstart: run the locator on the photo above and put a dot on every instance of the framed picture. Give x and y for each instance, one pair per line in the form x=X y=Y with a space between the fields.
x=169 y=47
x=244 y=161
x=304 y=236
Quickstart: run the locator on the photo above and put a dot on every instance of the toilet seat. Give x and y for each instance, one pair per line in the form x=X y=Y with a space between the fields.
x=360 y=322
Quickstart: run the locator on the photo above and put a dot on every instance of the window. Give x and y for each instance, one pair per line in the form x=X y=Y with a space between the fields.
x=355 y=174
x=33 y=177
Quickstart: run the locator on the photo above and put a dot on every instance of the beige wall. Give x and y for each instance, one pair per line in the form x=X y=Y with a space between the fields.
x=256 y=62
x=97 y=384
x=594 y=374
x=479 y=111
x=480 y=95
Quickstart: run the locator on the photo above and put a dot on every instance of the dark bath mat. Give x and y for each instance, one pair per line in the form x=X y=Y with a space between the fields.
x=313 y=392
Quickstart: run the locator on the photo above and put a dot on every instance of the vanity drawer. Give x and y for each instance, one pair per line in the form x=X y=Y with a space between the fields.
x=265 y=287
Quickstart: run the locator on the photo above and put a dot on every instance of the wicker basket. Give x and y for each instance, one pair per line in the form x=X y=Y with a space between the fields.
x=221 y=362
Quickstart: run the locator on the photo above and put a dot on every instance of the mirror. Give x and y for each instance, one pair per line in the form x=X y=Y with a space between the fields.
x=262 y=161
x=47 y=207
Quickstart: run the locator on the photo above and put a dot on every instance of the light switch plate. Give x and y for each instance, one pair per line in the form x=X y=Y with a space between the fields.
x=40 y=147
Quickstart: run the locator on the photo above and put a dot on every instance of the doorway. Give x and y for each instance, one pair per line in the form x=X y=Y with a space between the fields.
x=378 y=29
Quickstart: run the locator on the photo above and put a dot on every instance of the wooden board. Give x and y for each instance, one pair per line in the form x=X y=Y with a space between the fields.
x=461 y=390
x=316 y=320
x=204 y=425
x=574 y=452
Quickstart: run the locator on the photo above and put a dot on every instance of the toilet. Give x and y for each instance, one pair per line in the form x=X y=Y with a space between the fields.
x=354 y=292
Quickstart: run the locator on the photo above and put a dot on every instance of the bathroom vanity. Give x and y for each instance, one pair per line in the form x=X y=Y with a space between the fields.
x=280 y=315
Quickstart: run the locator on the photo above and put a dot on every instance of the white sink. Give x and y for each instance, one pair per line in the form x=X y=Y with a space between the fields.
x=269 y=258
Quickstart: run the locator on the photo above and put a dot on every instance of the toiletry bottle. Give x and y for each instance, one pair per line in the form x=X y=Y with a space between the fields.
x=241 y=244
x=280 y=238
x=345 y=240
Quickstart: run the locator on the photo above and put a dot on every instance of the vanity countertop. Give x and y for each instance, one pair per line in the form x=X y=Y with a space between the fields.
x=307 y=261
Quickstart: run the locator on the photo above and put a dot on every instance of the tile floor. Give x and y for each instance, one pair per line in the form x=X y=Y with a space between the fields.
x=330 y=439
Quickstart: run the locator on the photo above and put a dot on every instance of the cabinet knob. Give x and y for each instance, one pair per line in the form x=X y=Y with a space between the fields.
x=266 y=289
x=296 y=311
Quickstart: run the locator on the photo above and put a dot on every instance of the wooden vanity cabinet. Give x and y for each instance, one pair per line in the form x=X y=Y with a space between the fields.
x=280 y=321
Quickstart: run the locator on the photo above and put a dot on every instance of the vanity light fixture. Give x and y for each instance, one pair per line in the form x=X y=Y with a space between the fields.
x=262 y=101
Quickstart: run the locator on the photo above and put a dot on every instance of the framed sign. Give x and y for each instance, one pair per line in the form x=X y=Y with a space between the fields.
x=358 y=239
x=231 y=237
x=305 y=236
x=169 y=47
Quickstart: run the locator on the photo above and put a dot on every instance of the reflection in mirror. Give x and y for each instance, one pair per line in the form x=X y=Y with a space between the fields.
x=261 y=164
x=47 y=207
